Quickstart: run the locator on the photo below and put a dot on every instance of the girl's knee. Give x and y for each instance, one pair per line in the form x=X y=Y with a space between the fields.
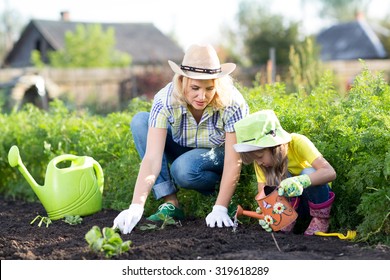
x=308 y=171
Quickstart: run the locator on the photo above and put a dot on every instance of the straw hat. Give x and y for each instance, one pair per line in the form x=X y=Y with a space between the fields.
x=201 y=62
x=258 y=131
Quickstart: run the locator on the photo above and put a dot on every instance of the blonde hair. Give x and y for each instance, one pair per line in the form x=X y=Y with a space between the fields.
x=223 y=95
x=278 y=171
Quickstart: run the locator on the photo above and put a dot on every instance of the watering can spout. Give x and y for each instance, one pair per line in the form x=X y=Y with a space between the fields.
x=15 y=160
x=247 y=213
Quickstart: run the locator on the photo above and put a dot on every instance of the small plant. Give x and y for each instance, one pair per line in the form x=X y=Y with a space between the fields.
x=166 y=220
x=73 y=220
x=148 y=227
x=45 y=220
x=107 y=241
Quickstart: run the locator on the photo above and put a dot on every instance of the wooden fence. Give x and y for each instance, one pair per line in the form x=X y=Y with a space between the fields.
x=109 y=88
x=346 y=71
x=113 y=88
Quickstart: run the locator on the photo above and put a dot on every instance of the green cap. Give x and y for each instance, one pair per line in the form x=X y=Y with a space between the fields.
x=258 y=131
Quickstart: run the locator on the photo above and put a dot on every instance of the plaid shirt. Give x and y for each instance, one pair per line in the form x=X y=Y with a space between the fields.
x=209 y=133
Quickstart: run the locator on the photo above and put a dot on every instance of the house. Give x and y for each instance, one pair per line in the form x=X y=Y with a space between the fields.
x=146 y=44
x=148 y=47
x=342 y=46
x=350 y=41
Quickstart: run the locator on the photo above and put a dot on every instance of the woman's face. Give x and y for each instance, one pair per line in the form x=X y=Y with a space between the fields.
x=263 y=158
x=199 y=93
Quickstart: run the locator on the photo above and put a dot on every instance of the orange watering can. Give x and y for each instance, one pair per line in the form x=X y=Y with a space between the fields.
x=73 y=190
x=275 y=210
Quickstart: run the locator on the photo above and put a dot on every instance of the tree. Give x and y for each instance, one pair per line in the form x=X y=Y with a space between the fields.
x=10 y=26
x=260 y=31
x=306 y=69
x=342 y=10
x=383 y=32
x=89 y=46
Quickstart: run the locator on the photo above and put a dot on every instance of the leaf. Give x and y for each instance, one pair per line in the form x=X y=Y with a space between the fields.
x=37 y=217
x=108 y=232
x=148 y=227
x=109 y=247
x=41 y=221
x=161 y=216
x=115 y=239
x=73 y=220
x=107 y=241
x=93 y=235
x=97 y=245
x=126 y=246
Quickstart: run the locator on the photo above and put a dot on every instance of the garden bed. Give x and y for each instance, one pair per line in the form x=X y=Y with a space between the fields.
x=192 y=240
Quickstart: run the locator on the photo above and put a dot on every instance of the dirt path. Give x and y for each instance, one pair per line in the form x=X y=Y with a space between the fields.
x=193 y=240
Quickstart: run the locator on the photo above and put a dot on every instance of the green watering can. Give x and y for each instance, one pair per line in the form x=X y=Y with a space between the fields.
x=73 y=190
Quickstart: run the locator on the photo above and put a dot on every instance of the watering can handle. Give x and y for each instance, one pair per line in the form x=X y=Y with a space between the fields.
x=99 y=174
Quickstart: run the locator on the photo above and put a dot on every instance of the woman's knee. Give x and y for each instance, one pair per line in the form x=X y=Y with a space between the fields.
x=139 y=120
x=187 y=176
x=139 y=123
x=182 y=173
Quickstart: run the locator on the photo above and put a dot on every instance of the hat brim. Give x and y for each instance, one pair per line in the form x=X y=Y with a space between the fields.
x=226 y=69
x=282 y=137
x=243 y=148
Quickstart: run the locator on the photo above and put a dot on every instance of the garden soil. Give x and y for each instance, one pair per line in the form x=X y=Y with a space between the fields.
x=190 y=240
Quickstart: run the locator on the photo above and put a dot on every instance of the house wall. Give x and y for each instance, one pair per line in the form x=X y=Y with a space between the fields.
x=108 y=88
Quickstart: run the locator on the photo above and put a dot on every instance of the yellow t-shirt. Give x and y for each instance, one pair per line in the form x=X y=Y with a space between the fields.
x=301 y=154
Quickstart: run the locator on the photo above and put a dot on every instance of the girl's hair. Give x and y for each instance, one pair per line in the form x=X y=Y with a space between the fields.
x=276 y=173
x=223 y=96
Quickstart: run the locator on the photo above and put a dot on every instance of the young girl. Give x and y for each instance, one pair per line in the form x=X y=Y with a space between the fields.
x=290 y=161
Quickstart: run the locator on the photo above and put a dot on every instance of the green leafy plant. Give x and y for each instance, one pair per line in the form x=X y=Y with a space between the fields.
x=45 y=220
x=166 y=220
x=107 y=241
x=73 y=220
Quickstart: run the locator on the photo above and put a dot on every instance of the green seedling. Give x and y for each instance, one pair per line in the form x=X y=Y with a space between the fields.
x=73 y=220
x=107 y=241
x=148 y=227
x=45 y=220
x=166 y=220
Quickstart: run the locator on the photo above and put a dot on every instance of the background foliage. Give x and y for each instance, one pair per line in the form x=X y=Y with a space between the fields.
x=88 y=47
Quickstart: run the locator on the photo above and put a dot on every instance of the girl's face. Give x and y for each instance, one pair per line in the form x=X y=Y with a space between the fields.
x=199 y=93
x=263 y=158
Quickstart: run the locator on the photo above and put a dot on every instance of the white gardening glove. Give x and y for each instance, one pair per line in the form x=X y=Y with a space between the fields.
x=220 y=216
x=127 y=219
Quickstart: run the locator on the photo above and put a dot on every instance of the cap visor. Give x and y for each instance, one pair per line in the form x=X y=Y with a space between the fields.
x=243 y=148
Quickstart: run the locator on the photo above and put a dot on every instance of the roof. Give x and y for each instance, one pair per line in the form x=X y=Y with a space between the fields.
x=143 y=41
x=352 y=40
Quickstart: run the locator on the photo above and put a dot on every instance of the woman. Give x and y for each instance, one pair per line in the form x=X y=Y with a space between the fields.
x=290 y=161
x=187 y=140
